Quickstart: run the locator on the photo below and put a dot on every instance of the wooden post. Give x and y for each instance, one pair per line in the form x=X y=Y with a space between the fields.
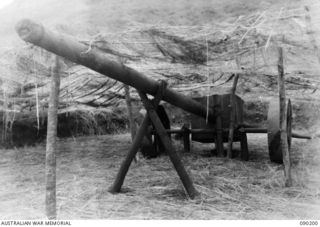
x=283 y=122
x=50 y=202
x=219 y=139
x=244 y=155
x=132 y=125
x=232 y=115
x=133 y=128
x=186 y=138
x=118 y=182
x=186 y=180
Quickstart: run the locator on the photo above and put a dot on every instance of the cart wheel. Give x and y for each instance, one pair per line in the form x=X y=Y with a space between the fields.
x=274 y=139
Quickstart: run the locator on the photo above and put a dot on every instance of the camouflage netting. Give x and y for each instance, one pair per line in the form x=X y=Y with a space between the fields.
x=195 y=60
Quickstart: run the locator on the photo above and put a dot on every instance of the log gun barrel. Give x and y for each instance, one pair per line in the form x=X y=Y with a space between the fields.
x=96 y=60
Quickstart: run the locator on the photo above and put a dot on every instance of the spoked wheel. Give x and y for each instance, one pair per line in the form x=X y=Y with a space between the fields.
x=274 y=139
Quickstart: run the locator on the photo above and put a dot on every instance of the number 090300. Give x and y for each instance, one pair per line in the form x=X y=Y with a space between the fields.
x=309 y=223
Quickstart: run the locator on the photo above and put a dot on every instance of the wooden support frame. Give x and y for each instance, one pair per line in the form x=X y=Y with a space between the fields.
x=175 y=159
x=153 y=116
x=116 y=187
x=118 y=182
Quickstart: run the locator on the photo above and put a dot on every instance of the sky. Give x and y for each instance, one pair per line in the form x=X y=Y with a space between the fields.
x=3 y=3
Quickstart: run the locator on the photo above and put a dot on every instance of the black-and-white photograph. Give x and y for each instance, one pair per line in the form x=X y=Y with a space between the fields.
x=159 y=110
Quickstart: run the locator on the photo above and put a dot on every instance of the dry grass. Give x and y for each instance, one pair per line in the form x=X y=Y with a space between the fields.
x=230 y=189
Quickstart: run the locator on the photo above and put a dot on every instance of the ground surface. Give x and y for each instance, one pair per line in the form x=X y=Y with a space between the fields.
x=230 y=189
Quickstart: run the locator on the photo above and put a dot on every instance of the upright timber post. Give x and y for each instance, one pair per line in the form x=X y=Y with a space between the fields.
x=186 y=137
x=219 y=138
x=244 y=154
x=232 y=115
x=283 y=121
x=50 y=202
x=132 y=125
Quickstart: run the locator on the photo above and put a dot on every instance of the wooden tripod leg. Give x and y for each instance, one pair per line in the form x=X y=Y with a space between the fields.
x=116 y=187
x=186 y=180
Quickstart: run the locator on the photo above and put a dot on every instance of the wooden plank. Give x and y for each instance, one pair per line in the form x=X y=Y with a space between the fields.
x=50 y=201
x=175 y=159
x=193 y=131
x=283 y=121
x=232 y=115
x=254 y=130
x=246 y=130
x=300 y=136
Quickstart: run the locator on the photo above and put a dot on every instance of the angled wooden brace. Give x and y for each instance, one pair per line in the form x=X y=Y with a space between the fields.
x=175 y=159
x=116 y=187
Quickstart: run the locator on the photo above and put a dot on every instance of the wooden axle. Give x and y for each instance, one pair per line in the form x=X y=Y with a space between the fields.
x=264 y=130
x=193 y=131
x=246 y=130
